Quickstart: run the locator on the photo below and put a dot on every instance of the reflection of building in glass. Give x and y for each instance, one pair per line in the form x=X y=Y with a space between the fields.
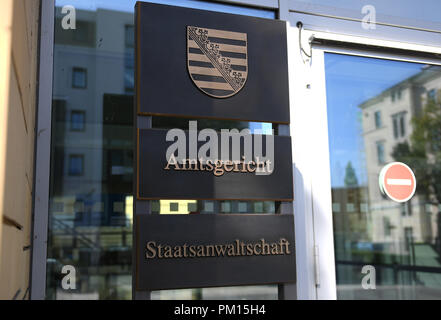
x=92 y=163
x=408 y=231
x=91 y=213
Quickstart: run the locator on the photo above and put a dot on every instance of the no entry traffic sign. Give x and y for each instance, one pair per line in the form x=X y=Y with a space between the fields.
x=397 y=181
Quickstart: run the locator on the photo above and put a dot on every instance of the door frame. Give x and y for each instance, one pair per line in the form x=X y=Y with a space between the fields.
x=311 y=155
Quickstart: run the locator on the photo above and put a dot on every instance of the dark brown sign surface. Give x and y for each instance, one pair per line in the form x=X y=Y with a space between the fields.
x=205 y=250
x=202 y=64
x=157 y=180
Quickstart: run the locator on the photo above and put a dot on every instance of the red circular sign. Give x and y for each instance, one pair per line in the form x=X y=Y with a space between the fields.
x=397 y=181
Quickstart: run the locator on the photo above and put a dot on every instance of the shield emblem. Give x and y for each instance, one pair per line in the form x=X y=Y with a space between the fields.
x=217 y=60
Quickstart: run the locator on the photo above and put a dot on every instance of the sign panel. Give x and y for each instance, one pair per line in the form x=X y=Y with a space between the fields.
x=202 y=64
x=160 y=177
x=397 y=181
x=190 y=251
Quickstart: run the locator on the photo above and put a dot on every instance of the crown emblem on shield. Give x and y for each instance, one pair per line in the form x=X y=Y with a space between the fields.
x=217 y=60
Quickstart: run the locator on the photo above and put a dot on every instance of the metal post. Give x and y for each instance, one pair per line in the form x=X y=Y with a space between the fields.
x=139 y=207
x=40 y=210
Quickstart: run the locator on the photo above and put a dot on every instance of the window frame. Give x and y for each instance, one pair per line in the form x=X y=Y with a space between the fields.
x=83 y=113
x=72 y=156
x=381 y=160
x=41 y=183
x=79 y=69
x=378 y=120
x=308 y=87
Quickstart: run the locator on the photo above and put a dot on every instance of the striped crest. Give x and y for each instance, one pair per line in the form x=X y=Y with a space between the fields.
x=217 y=60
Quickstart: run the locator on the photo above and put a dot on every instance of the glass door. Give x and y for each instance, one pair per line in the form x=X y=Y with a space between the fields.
x=381 y=111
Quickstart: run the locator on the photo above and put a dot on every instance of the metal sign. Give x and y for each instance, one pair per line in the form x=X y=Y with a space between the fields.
x=209 y=250
x=162 y=178
x=397 y=181
x=203 y=64
x=198 y=64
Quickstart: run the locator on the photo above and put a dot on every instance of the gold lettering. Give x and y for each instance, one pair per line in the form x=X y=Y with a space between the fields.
x=201 y=252
x=220 y=250
x=172 y=162
x=219 y=169
x=160 y=251
x=249 y=168
x=228 y=166
x=265 y=246
x=192 y=250
x=257 y=245
x=274 y=248
x=193 y=162
x=231 y=251
x=209 y=165
x=168 y=252
x=250 y=249
x=210 y=250
x=201 y=163
x=177 y=252
x=236 y=166
x=243 y=165
x=151 y=247
x=284 y=242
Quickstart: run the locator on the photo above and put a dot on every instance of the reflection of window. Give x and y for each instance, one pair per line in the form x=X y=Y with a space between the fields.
x=129 y=82
x=396 y=94
x=380 y=152
x=399 y=125
x=408 y=237
x=129 y=63
x=130 y=36
x=431 y=95
x=386 y=226
x=378 y=119
x=79 y=78
x=76 y=165
x=77 y=120
x=435 y=139
x=406 y=209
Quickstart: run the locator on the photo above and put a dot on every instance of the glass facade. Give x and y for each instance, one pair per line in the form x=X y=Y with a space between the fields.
x=379 y=111
x=91 y=202
x=400 y=240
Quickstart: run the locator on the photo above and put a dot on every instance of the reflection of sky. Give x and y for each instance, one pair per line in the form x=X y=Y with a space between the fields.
x=351 y=80
x=412 y=11
x=128 y=5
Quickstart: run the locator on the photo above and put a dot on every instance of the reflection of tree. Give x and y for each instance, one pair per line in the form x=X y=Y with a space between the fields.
x=350 y=177
x=423 y=154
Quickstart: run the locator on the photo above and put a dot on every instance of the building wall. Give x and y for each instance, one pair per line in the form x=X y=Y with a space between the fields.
x=19 y=26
